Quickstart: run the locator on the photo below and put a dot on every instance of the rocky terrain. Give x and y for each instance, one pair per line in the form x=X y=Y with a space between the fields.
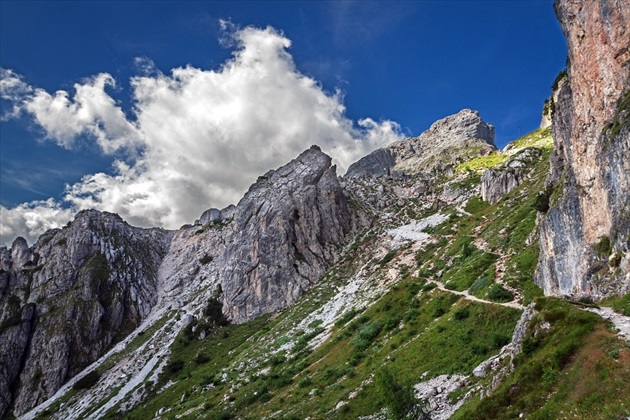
x=585 y=236
x=448 y=141
x=68 y=298
x=430 y=281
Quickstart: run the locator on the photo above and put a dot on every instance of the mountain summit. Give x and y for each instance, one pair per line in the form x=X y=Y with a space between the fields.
x=448 y=141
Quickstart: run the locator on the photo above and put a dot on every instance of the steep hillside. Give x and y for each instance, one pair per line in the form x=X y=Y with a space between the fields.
x=67 y=300
x=431 y=306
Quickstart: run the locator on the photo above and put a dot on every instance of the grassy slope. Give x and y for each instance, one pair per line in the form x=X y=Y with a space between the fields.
x=412 y=329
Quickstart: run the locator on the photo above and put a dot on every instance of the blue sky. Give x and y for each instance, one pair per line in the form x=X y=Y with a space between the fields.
x=402 y=65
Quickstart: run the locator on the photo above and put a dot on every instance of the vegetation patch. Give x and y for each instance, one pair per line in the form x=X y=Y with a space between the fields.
x=575 y=368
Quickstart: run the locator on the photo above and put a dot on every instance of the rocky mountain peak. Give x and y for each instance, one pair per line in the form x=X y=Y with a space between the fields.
x=459 y=128
x=66 y=299
x=446 y=142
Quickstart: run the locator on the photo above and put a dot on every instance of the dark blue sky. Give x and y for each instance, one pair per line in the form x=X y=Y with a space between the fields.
x=409 y=62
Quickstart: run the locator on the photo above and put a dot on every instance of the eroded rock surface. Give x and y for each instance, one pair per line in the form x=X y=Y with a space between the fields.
x=68 y=298
x=590 y=167
x=286 y=231
x=447 y=141
x=495 y=183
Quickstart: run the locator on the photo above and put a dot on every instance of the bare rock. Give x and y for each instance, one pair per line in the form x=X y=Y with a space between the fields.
x=448 y=141
x=285 y=232
x=590 y=166
x=376 y=164
x=68 y=298
x=496 y=183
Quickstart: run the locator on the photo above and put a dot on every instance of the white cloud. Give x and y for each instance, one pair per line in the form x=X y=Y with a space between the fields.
x=30 y=220
x=12 y=88
x=198 y=138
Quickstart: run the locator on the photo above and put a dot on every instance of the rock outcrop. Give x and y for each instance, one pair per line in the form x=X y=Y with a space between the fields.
x=283 y=234
x=376 y=164
x=585 y=236
x=68 y=298
x=215 y=215
x=495 y=183
x=549 y=108
x=449 y=140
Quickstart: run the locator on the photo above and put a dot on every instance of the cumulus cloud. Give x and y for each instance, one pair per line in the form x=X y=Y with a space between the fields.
x=30 y=220
x=196 y=138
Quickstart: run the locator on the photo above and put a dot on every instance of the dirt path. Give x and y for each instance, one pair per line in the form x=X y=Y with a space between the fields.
x=500 y=265
x=620 y=321
x=468 y=296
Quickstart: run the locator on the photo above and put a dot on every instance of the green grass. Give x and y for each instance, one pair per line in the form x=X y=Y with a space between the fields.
x=539 y=139
x=576 y=368
x=463 y=275
x=620 y=304
x=412 y=329
x=481 y=163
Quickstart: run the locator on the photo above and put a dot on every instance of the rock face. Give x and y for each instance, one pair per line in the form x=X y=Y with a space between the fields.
x=457 y=137
x=215 y=215
x=585 y=236
x=495 y=183
x=549 y=108
x=376 y=164
x=286 y=231
x=68 y=298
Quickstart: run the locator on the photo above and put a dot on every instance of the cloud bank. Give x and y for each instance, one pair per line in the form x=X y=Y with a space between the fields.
x=194 y=139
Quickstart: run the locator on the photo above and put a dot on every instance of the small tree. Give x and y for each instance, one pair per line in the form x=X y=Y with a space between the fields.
x=397 y=397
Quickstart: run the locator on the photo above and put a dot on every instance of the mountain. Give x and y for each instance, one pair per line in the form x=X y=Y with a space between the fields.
x=447 y=141
x=439 y=277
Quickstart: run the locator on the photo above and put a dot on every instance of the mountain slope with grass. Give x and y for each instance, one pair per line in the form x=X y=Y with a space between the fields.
x=431 y=307
x=438 y=278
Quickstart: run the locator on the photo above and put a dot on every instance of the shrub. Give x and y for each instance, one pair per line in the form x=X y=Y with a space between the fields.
x=88 y=381
x=555 y=314
x=479 y=349
x=467 y=250
x=396 y=396
x=603 y=247
x=439 y=311
x=429 y=286
x=498 y=293
x=345 y=318
x=529 y=345
x=206 y=259
x=277 y=359
x=462 y=313
x=214 y=311
x=201 y=358
x=500 y=340
x=387 y=258
x=306 y=382
x=175 y=366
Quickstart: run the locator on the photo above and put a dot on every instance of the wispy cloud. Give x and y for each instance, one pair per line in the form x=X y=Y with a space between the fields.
x=196 y=138
x=358 y=22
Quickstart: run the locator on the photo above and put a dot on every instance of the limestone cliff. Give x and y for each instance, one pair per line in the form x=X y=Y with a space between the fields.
x=450 y=140
x=585 y=236
x=68 y=298
x=283 y=234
